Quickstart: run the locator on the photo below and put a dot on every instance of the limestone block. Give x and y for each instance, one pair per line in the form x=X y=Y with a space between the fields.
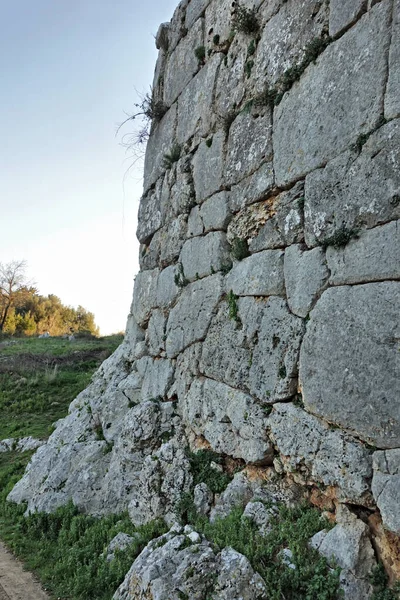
x=202 y=256
x=349 y=362
x=149 y=256
x=232 y=82
x=227 y=350
x=177 y=28
x=187 y=368
x=157 y=377
x=237 y=494
x=282 y=223
x=166 y=288
x=237 y=579
x=208 y=165
x=144 y=295
x=215 y=213
x=195 y=223
x=330 y=456
x=159 y=143
x=120 y=542
x=373 y=256
x=249 y=145
x=273 y=372
x=172 y=238
x=178 y=191
x=252 y=188
x=195 y=102
x=182 y=63
x=155 y=334
x=343 y=13
x=285 y=37
x=305 y=277
x=217 y=21
x=190 y=317
x=202 y=498
x=355 y=192
x=318 y=118
x=386 y=487
x=195 y=10
x=392 y=101
x=260 y=274
x=231 y=421
x=260 y=515
x=150 y=216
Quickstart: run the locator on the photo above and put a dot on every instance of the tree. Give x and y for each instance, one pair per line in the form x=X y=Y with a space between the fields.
x=14 y=287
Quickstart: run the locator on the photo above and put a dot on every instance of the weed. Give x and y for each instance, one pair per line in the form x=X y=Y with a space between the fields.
x=200 y=54
x=300 y=202
x=380 y=580
x=245 y=20
x=248 y=68
x=282 y=372
x=239 y=248
x=251 y=48
x=340 y=238
x=172 y=156
x=233 y=306
x=203 y=473
x=209 y=142
x=180 y=279
x=226 y=267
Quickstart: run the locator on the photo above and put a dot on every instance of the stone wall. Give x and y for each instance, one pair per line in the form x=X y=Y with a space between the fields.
x=265 y=318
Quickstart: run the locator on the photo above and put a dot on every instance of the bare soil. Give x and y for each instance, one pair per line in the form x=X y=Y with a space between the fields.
x=15 y=583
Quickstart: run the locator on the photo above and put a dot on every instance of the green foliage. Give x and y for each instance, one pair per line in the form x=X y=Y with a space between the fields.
x=200 y=463
x=172 y=156
x=239 y=248
x=200 y=54
x=380 y=580
x=245 y=20
x=233 y=306
x=340 y=238
x=248 y=67
x=209 y=142
x=251 y=48
x=179 y=278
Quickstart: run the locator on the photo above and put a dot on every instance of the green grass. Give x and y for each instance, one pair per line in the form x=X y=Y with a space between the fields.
x=40 y=377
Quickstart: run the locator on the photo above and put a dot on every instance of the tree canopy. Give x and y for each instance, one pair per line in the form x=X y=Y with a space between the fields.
x=24 y=311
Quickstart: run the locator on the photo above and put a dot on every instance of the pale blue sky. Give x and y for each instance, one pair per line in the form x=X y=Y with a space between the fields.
x=69 y=70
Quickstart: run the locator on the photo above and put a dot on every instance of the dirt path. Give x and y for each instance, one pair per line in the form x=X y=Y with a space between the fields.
x=15 y=583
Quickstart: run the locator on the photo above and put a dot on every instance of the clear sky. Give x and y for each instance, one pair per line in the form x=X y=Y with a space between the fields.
x=69 y=72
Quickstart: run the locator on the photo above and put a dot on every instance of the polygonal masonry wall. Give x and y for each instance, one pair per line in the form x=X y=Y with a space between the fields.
x=265 y=319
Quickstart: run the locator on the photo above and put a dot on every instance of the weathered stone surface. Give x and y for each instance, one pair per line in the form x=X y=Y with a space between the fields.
x=230 y=420
x=249 y=145
x=172 y=238
x=20 y=444
x=157 y=377
x=285 y=37
x=150 y=216
x=306 y=274
x=318 y=118
x=208 y=164
x=272 y=223
x=195 y=223
x=189 y=319
x=260 y=274
x=373 y=256
x=183 y=63
x=177 y=195
x=349 y=361
x=231 y=83
x=144 y=295
x=227 y=349
x=260 y=515
x=252 y=188
x=177 y=29
x=176 y=564
x=202 y=256
x=218 y=21
x=159 y=144
x=386 y=487
x=355 y=191
x=195 y=10
x=343 y=13
x=237 y=494
x=195 y=102
x=348 y=546
x=155 y=333
x=202 y=498
x=120 y=542
x=319 y=454
x=215 y=213
x=273 y=372
x=392 y=101
x=166 y=288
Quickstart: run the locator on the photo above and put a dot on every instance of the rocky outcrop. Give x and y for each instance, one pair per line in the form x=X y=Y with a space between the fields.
x=264 y=324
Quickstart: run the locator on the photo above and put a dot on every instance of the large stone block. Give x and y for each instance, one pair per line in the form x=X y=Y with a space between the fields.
x=195 y=102
x=386 y=487
x=343 y=13
x=166 y=289
x=231 y=421
x=190 y=318
x=392 y=100
x=150 y=217
x=202 y=256
x=215 y=212
x=183 y=63
x=349 y=362
x=195 y=10
x=329 y=456
x=306 y=274
x=260 y=274
x=144 y=295
x=285 y=37
x=319 y=117
x=208 y=167
x=157 y=377
x=355 y=191
x=273 y=372
x=249 y=145
x=373 y=256
x=159 y=143
x=253 y=188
